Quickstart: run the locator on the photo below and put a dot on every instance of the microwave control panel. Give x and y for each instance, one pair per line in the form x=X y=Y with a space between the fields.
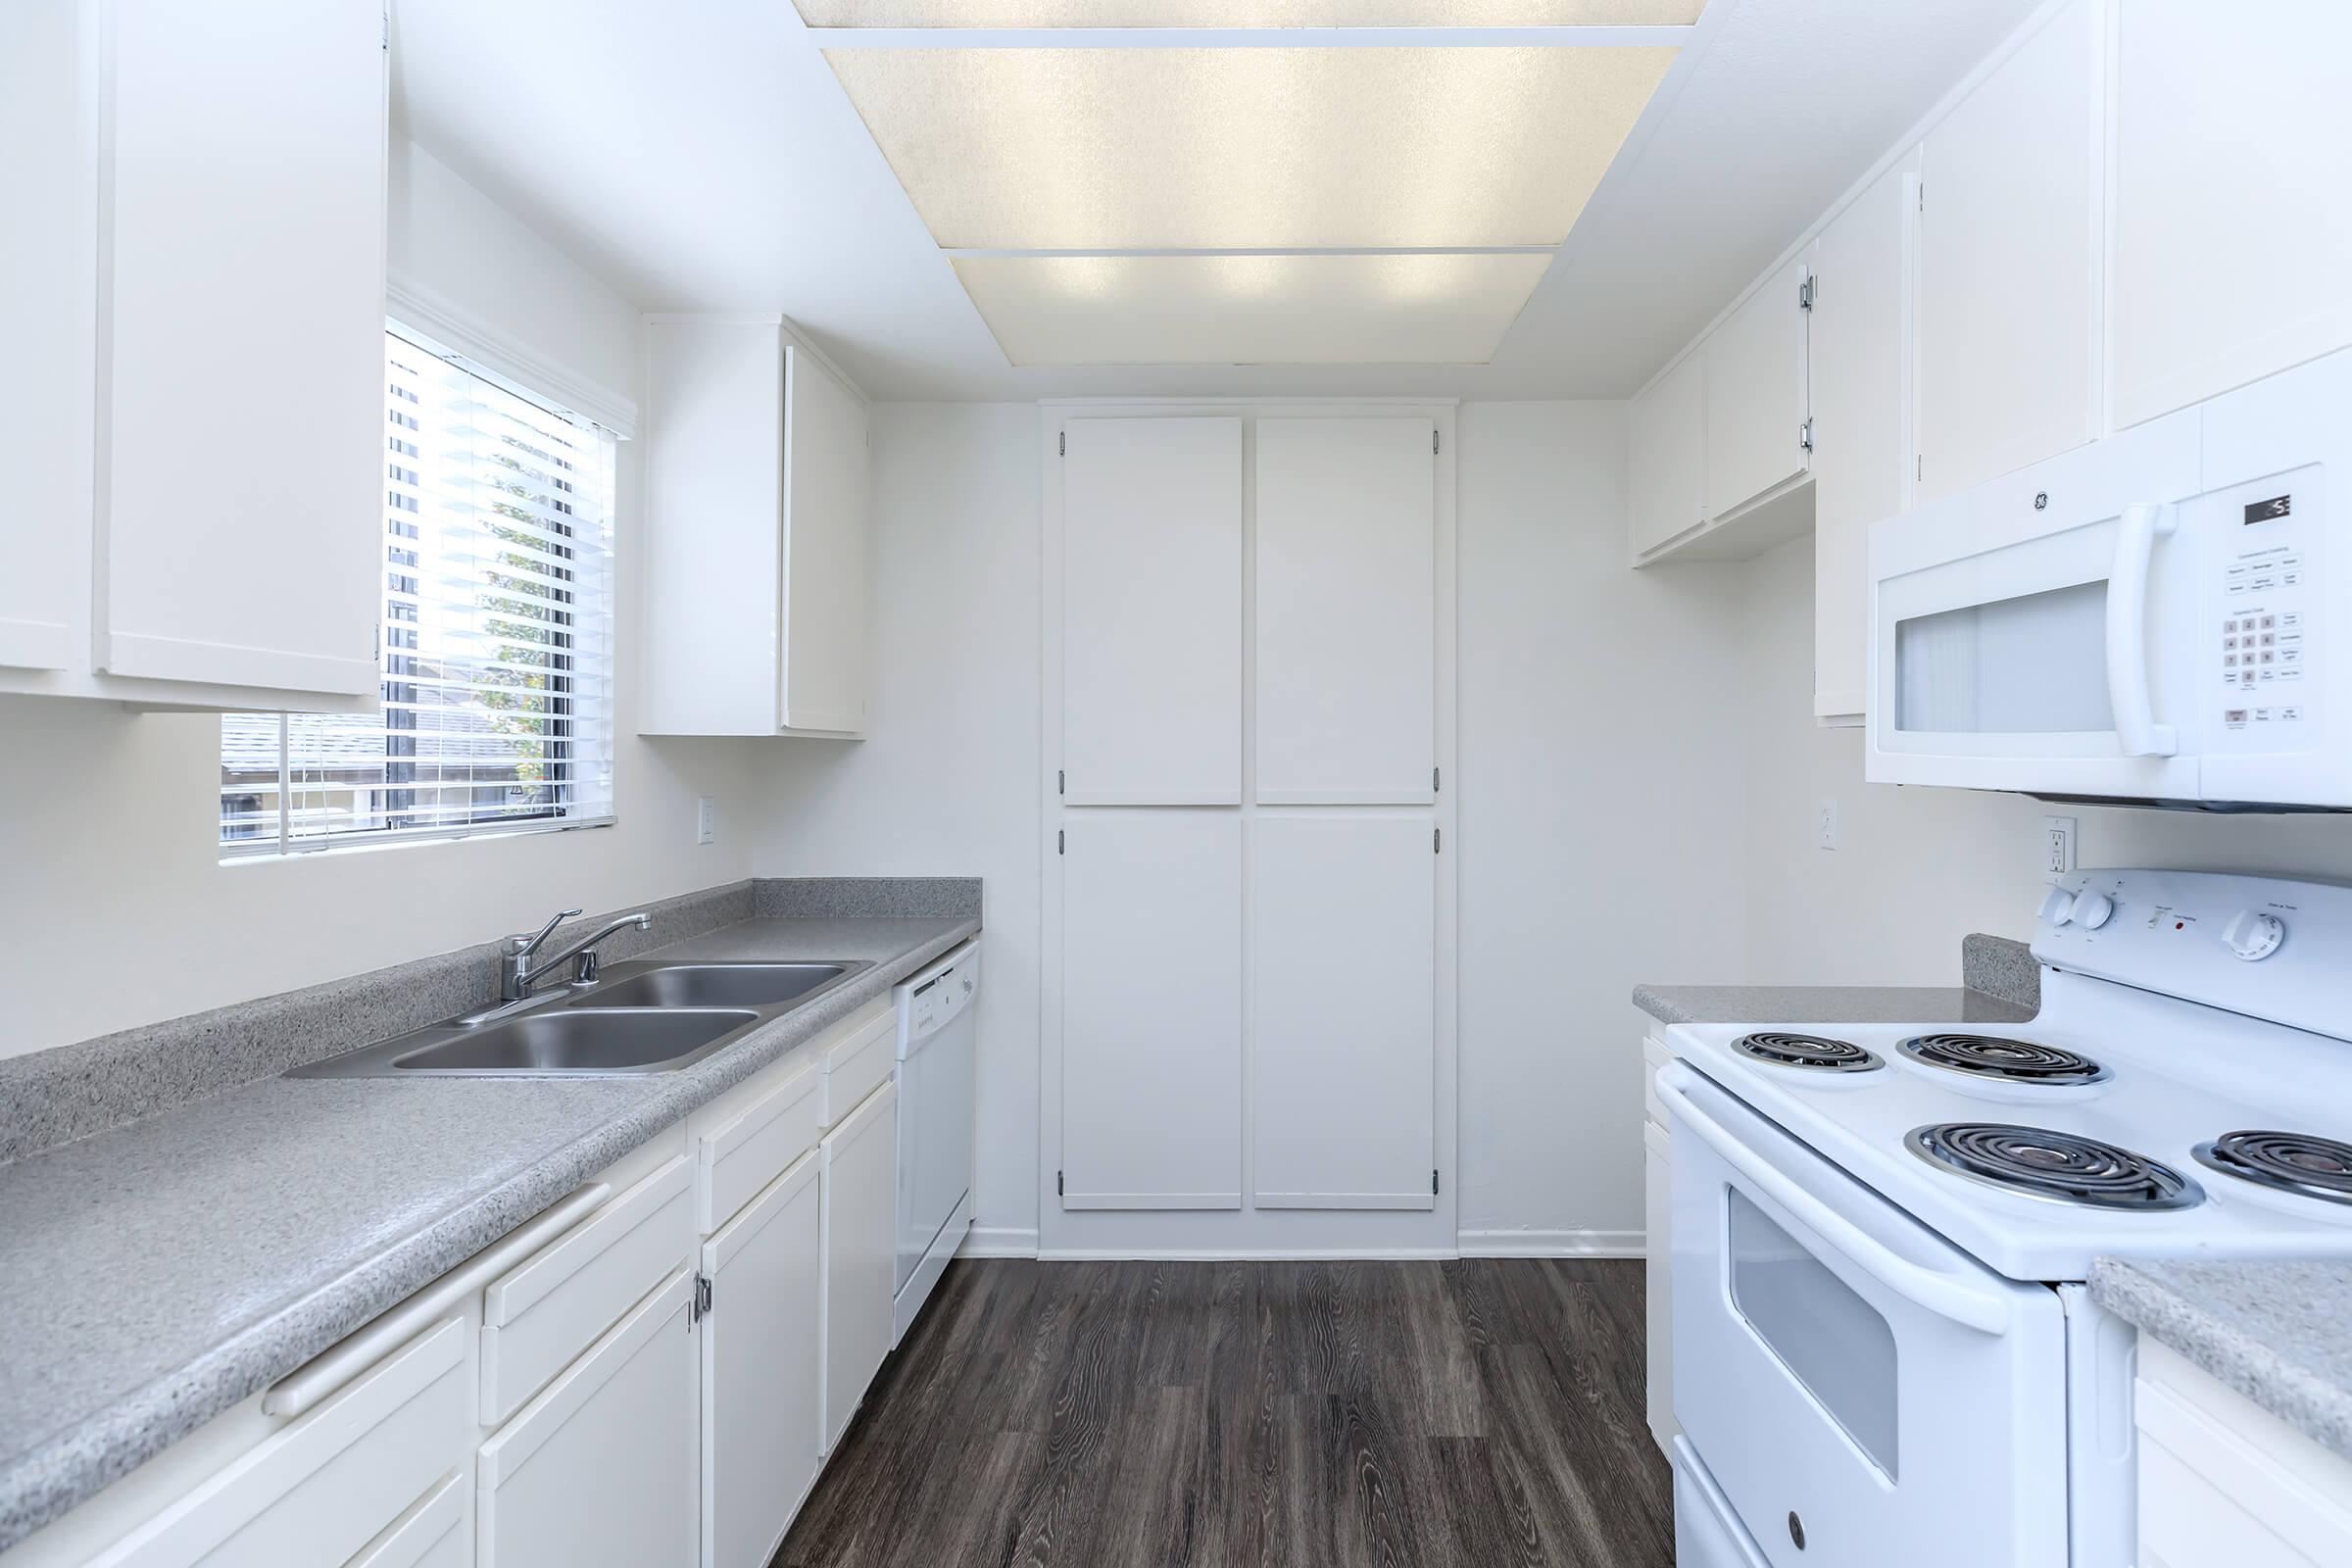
x=2267 y=564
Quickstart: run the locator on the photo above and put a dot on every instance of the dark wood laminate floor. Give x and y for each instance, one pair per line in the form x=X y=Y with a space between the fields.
x=1356 y=1415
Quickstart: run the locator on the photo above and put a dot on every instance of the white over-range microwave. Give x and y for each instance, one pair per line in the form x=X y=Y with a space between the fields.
x=2158 y=618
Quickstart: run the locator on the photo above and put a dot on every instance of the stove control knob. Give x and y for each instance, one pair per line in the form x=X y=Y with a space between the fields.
x=2093 y=910
x=2057 y=906
x=2253 y=935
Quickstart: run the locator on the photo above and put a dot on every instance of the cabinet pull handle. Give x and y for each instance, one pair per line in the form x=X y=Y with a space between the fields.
x=328 y=1371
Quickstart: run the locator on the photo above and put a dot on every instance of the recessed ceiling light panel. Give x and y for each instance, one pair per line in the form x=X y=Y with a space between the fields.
x=1249 y=310
x=1248 y=149
x=1250 y=13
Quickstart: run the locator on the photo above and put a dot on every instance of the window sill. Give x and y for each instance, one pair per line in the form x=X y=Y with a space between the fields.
x=417 y=837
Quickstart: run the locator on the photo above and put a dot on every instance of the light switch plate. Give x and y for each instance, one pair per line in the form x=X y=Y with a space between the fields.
x=1825 y=823
x=706 y=820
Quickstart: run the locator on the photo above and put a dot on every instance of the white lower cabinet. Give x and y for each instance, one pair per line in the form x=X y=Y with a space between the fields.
x=2224 y=1480
x=437 y=1533
x=320 y=1490
x=761 y=1369
x=861 y=1158
x=603 y=1470
x=1657 y=1204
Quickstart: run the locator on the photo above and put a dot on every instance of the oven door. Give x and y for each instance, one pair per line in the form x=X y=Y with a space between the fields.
x=1862 y=1392
x=2035 y=633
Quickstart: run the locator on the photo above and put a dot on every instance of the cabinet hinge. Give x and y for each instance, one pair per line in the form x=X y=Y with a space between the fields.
x=1433 y=1184
x=1062 y=782
x=1437 y=840
x=1061 y=840
x=1433 y=443
x=1434 y=785
x=1065 y=443
x=1057 y=1185
x=1804 y=436
x=698 y=1306
x=1805 y=293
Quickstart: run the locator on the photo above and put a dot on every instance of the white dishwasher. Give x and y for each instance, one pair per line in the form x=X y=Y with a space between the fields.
x=938 y=1039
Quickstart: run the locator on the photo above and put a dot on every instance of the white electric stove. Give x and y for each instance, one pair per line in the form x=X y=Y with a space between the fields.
x=1884 y=1348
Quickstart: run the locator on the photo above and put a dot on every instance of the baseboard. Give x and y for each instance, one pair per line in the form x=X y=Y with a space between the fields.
x=1554 y=1243
x=1244 y=1255
x=998 y=1240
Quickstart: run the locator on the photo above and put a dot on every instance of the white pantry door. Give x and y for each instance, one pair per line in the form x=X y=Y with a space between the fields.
x=1343 y=975
x=241 y=394
x=1152 y=1009
x=1346 y=610
x=1151 y=612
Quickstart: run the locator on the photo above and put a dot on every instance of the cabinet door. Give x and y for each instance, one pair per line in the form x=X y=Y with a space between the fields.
x=44 y=409
x=1343 y=966
x=1666 y=469
x=860 y=1257
x=1755 y=379
x=603 y=1470
x=1657 y=1193
x=1152 y=1011
x=2008 y=263
x=825 y=609
x=1346 y=610
x=2232 y=241
x=1151 y=612
x=1860 y=454
x=760 y=1360
x=241 y=394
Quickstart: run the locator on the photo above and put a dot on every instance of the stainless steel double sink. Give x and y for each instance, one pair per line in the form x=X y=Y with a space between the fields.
x=644 y=1016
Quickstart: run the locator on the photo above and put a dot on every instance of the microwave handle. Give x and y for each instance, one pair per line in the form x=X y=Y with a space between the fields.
x=1941 y=1293
x=2136 y=728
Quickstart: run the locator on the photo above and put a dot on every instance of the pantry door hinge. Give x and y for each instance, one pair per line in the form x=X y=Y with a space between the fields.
x=1432 y=442
x=1062 y=782
x=1061 y=840
x=1059 y=1190
x=1436 y=841
x=1433 y=1184
x=1805 y=293
x=1804 y=436
x=1434 y=785
x=1065 y=443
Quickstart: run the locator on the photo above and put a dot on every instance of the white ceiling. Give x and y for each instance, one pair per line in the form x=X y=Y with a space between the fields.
x=701 y=156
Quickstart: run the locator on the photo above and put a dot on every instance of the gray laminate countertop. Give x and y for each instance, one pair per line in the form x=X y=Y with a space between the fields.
x=154 y=1275
x=2278 y=1333
x=1825 y=1004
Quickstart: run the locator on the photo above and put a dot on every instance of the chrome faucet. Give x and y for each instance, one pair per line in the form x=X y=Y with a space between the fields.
x=520 y=970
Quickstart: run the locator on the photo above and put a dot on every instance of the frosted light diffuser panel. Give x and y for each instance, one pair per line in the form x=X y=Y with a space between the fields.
x=1248 y=149
x=1250 y=13
x=1249 y=310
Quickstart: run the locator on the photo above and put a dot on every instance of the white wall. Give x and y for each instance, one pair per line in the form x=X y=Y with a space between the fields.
x=1917 y=868
x=115 y=909
x=1596 y=817
x=947 y=786
x=1591 y=812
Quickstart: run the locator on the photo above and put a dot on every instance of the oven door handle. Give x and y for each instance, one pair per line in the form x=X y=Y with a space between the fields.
x=1985 y=1311
x=2136 y=731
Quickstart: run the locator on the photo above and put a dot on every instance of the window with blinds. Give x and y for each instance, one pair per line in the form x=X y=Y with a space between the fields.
x=497 y=712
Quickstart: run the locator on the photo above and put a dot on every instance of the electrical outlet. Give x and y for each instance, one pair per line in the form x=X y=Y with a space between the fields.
x=1825 y=824
x=2057 y=845
x=706 y=820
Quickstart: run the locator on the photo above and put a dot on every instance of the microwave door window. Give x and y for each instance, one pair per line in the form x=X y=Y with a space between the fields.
x=2036 y=664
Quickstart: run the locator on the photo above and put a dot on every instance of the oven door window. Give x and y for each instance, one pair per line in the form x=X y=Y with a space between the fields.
x=1830 y=1339
x=2034 y=664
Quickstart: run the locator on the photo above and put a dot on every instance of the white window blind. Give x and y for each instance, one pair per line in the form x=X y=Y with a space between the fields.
x=497 y=710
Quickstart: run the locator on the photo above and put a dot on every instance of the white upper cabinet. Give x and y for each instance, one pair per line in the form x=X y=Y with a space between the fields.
x=1667 y=466
x=1858 y=331
x=1151 y=612
x=196 y=274
x=755 y=561
x=2232 y=237
x=1756 y=440
x=1346 y=610
x=2009 y=257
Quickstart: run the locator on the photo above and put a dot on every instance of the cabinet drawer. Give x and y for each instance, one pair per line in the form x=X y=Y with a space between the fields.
x=2223 y=1479
x=856 y=1066
x=331 y=1481
x=537 y=1318
x=432 y=1535
x=735 y=1160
